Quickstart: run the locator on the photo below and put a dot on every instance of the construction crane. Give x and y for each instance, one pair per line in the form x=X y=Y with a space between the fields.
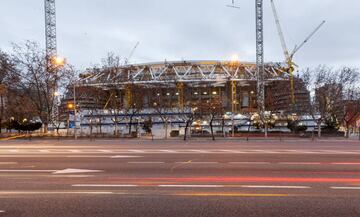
x=131 y=53
x=50 y=29
x=233 y=5
x=260 y=68
x=289 y=56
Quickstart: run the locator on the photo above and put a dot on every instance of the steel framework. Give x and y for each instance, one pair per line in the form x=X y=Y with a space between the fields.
x=50 y=28
x=260 y=68
x=187 y=72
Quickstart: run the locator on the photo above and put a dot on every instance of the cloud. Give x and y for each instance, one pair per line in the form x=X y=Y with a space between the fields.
x=187 y=29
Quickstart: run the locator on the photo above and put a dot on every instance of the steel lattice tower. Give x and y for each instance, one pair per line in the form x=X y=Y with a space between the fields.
x=50 y=29
x=260 y=57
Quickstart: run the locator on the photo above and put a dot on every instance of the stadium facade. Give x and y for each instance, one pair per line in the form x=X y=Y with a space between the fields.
x=123 y=99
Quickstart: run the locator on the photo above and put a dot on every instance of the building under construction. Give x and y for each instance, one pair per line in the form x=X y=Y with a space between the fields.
x=110 y=96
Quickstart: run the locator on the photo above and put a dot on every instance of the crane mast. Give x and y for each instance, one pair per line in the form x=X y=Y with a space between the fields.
x=260 y=57
x=50 y=29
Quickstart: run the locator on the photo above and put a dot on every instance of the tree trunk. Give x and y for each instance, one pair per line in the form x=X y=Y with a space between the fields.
x=166 y=129
x=186 y=129
x=212 y=130
x=347 y=131
x=266 y=130
x=319 y=129
x=115 y=127
x=223 y=127
x=130 y=124
x=46 y=128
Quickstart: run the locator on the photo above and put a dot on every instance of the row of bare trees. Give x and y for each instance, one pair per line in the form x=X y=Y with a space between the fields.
x=334 y=96
x=28 y=85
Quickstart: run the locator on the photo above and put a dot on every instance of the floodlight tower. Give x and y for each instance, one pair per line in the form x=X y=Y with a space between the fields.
x=260 y=57
x=50 y=29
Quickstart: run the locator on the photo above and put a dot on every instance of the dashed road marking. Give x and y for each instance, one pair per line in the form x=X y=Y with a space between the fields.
x=102 y=185
x=7 y=163
x=250 y=163
x=137 y=151
x=345 y=188
x=146 y=162
x=191 y=186
x=300 y=163
x=106 y=151
x=275 y=187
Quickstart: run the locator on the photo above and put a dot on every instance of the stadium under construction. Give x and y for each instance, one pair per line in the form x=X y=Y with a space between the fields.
x=122 y=100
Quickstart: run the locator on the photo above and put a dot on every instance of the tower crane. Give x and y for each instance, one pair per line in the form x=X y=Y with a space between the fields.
x=260 y=68
x=131 y=53
x=289 y=56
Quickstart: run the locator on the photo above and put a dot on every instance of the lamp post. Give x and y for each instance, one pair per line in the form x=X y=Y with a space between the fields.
x=75 y=110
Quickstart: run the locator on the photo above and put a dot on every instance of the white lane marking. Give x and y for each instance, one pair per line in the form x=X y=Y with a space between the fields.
x=137 y=151
x=200 y=151
x=102 y=185
x=265 y=151
x=14 y=151
x=345 y=188
x=203 y=162
x=53 y=192
x=44 y=151
x=250 y=163
x=234 y=151
x=277 y=187
x=2 y=211
x=345 y=163
x=191 y=186
x=87 y=156
x=146 y=162
x=7 y=163
x=75 y=151
x=27 y=171
x=71 y=171
x=300 y=163
x=106 y=151
x=125 y=156
x=168 y=151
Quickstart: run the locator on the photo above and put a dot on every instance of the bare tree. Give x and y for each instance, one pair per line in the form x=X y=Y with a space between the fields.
x=135 y=103
x=38 y=81
x=328 y=89
x=8 y=80
x=211 y=110
x=162 y=107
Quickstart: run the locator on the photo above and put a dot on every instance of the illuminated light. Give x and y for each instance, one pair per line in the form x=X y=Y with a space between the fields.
x=158 y=94
x=25 y=120
x=252 y=92
x=234 y=58
x=214 y=92
x=56 y=94
x=205 y=93
x=167 y=94
x=177 y=94
x=70 y=105
x=196 y=93
x=58 y=61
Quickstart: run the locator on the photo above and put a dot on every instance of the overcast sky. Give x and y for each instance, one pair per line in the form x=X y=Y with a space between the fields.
x=186 y=29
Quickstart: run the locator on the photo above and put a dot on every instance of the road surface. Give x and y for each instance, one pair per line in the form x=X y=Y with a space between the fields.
x=175 y=178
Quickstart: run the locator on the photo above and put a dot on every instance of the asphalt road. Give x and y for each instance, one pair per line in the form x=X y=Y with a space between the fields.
x=176 y=178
